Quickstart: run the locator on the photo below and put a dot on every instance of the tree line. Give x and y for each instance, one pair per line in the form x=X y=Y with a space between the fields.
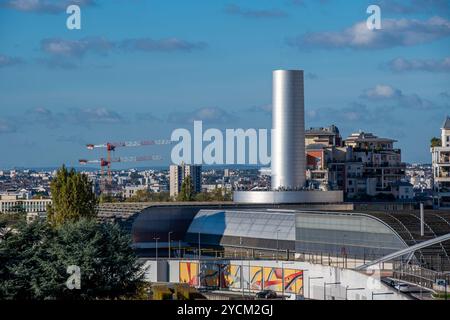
x=35 y=257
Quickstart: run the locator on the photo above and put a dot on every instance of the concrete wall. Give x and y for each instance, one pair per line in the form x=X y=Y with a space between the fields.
x=312 y=288
x=313 y=196
x=156 y=271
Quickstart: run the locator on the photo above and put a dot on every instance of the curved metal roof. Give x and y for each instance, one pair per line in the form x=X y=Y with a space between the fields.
x=225 y=221
x=250 y=224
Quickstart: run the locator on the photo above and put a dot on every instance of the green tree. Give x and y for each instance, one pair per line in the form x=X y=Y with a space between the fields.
x=148 y=196
x=9 y=221
x=106 y=198
x=21 y=254
x=202 y=197
x=187 y=192
x=436 y=142
x=34 y=261
x=72 y=197
x=218 y=194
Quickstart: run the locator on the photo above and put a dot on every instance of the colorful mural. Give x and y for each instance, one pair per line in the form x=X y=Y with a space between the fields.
x=189 y=273
x=273 y=279
x=293 y=281
x=256 y=278
x=229 y=277
x=209 y=275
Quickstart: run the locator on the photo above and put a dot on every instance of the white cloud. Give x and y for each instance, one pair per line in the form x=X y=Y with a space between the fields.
x=382 y=92
x=6 y=61
x=430 y=65
x=44 y=6
x=394 y=33
x=388 y=93
x=208 y=114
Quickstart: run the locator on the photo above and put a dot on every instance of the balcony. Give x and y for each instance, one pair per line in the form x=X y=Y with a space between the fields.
x=385 y=165
x=387 y=151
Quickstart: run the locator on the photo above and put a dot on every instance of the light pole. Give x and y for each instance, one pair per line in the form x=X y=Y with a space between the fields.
x=170 y=232
x=199 y=248
x=309 y=285
x=242 y=269
x=278 y=230
x=347 y=289
x=156 y=246
x=380 y=293
x=325 y=288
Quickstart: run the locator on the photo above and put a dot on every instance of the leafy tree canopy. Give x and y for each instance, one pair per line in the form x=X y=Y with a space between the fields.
x=436 y=142
x=187 y=192
x=34 y=261
x=148 y=196
x=72 y=197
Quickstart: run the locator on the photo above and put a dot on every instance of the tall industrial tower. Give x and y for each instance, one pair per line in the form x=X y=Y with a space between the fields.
x=288 y=122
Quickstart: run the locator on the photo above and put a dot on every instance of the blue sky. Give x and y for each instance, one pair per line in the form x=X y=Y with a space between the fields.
x=138 y=69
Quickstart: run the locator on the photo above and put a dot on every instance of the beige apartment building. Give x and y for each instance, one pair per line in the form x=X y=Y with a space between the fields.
x=361 y=165
x=10 y=203
x=441 y=168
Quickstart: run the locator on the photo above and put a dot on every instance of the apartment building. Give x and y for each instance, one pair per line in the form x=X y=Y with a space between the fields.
x=179 y=172
x=362 y=165
x=441 y=168
x=10 y=203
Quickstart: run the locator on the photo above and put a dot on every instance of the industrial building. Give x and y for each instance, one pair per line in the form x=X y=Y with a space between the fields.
x=287 y=231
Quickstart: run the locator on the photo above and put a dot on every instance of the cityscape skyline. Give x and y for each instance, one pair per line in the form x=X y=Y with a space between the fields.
x=167 y=66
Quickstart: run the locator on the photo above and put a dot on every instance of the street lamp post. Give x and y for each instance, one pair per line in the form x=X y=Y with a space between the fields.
x=278 y=230
x=170 y=232
x=242 y=269
x=325 y=288
x=347 y=289
x=309 y=285
x=199 y=248
x=380 y=293
x=156 y=246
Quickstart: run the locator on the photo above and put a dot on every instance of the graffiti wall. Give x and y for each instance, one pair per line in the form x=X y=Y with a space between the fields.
x=273 y=279
x=293 y=281
x=231 y=276
x=209 y=275
x=256 y=278
x=189 y=273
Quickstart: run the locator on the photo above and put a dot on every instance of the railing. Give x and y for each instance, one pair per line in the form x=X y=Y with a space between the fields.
x=416 y=274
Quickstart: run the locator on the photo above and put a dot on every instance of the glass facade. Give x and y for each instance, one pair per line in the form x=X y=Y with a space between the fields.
x=251 y=229
x=355 y=235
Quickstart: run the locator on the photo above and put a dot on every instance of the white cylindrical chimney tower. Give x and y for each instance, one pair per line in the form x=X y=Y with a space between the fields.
x=288 y=121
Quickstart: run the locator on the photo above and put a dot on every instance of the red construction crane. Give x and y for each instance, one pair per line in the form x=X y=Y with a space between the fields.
x=107 y=163
x=111 y=146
